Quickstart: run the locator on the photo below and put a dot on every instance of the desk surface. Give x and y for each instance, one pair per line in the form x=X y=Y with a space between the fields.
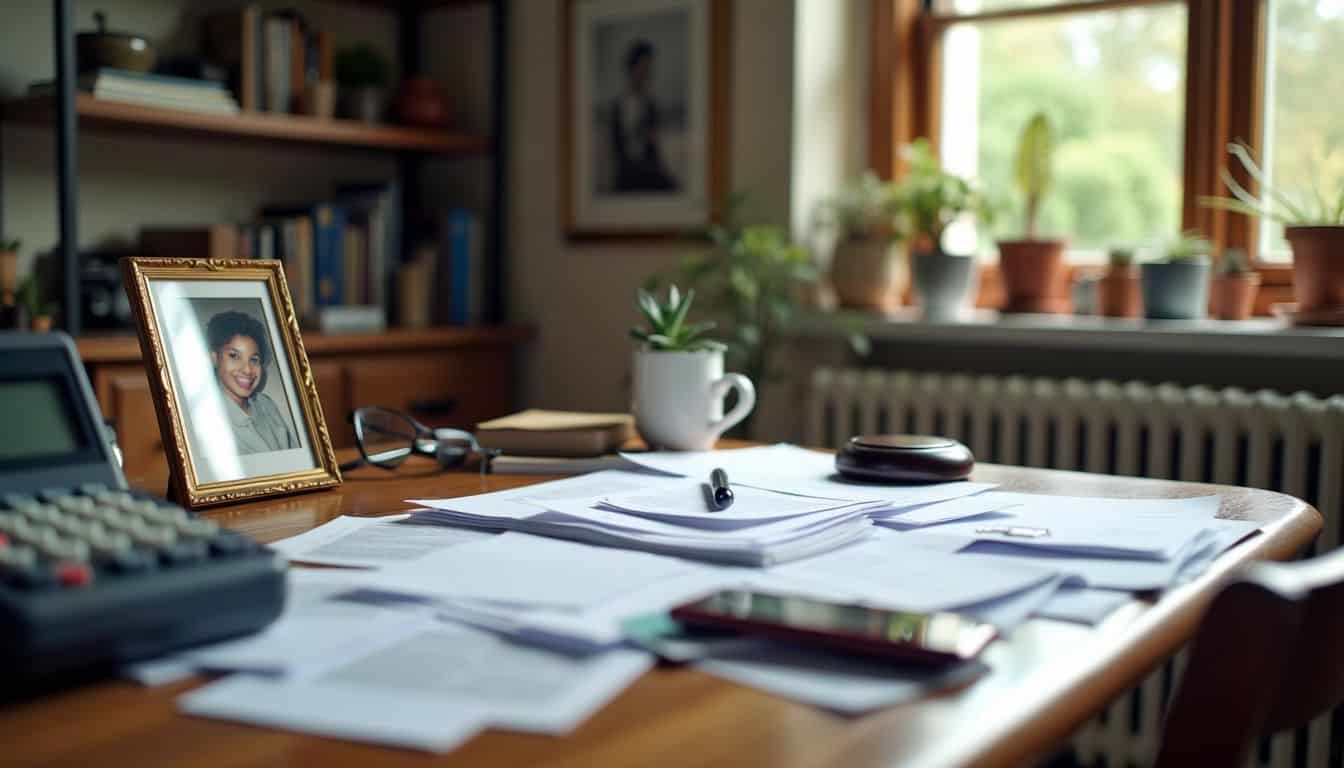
x=1046 y=680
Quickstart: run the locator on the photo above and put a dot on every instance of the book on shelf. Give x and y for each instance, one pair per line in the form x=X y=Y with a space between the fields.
x=376 y=207
x=152 y=90
x=325 y=223
x=272 y=56
x=415 y=288
x=461 y=272
x=349 y=319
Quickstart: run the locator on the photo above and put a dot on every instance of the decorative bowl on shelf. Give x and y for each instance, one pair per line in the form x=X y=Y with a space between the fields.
x=112 y=50
x=420 y=102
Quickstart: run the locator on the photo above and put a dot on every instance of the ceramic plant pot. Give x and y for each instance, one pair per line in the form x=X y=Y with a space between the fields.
x=9 y=274
x=1318 y=267
x=420 y=102
x=1033 y=275
x=40 y=323
x=942 y=283
x=868 y=273
x=1232 y=297
x=1176 y=290
x=364 y=103
x=1119 y=294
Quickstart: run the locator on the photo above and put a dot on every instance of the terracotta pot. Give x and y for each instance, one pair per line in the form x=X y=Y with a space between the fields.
x=1232 y=297
x=1033 y=275
x=1318 y=266
x=868 y=274
x=1119 y=294
x=420 y=102
x=41 y=323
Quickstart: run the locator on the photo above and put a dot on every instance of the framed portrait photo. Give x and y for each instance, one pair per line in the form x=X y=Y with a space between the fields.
x=235 y=397
x=646 y=94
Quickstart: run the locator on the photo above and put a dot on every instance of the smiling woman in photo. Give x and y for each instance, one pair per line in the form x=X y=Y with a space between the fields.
x=239 y=353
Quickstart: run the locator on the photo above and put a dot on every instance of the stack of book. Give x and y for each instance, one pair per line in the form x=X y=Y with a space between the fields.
x=151 y=90
x=557 y=442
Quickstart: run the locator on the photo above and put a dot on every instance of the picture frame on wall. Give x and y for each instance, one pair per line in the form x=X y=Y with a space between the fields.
x=233 y=391
x=646 y=87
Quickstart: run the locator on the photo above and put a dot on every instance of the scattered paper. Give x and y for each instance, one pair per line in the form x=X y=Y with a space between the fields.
x=371 y=542
x=1082 y=605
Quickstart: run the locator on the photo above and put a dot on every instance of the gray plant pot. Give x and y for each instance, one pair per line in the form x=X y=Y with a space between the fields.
x=942 y=283
x=366 y=103
x=1175 y=290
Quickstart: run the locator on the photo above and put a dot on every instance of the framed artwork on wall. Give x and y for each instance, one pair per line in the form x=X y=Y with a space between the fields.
x=233 y=391
x=646 y=85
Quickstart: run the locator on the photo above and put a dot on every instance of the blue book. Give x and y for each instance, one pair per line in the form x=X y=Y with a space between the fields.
x=457 y=242
x=328 y=237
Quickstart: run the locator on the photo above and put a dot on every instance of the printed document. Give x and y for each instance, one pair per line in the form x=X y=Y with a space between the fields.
x=372 y=542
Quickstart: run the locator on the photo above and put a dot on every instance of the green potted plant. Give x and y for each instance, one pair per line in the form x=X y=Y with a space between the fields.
x=932 y=199
x=679 y=382
x=1176 y=286
x=363 y=74
x=1118 y=293
x=1232 y=290
x=33 y=299
x=867 y=264
x=1314 y=229
x=1033 y=268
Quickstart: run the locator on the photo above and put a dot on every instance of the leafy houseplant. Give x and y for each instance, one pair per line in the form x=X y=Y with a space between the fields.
x=1033 y=269
x=866 y=268
x=33 y=299
x=363 y=75
x=1177 y=286
x=679 y=380
x=1232 y=290
x=932 y=199
x=1118 y=293
x=1314 y=229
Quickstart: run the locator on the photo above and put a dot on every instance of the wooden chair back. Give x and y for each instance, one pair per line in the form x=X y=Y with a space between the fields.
x=1268 y=656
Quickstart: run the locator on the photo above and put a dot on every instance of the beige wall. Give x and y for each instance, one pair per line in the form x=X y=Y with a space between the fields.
x=581 y=295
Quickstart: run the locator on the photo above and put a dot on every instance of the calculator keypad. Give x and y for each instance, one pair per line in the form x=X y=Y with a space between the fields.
x=73 y=538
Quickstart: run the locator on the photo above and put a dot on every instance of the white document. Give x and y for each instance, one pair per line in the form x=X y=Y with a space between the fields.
x=520 y=569
x=1008 y=612
x=885 y=574
x=1082 y=605
x=431 y=689
x=945 y=511
x=510 y=503
x=844 y=684
x=371 y=542
x=1154 y=529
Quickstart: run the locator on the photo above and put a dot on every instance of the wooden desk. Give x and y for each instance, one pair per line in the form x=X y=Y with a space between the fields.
x=1046 y=680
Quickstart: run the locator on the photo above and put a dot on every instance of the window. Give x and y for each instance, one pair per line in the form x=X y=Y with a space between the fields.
x=1112 y=82
x=1304 y=125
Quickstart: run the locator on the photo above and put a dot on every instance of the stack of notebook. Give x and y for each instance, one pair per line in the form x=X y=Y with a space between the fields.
x=557 y=442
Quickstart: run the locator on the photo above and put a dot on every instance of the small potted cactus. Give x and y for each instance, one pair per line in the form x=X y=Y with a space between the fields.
x=1033 y=268
x=1118 y=293
x=1176 y=287
x=33 y=300
x=1232 y=290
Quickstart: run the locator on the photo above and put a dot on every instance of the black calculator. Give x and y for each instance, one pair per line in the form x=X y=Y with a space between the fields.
x=92 y=575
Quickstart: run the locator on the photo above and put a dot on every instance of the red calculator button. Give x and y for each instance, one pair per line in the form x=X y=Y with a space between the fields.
x=73 y=574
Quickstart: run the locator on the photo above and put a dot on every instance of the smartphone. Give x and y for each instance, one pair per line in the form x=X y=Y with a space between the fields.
x=926 y=639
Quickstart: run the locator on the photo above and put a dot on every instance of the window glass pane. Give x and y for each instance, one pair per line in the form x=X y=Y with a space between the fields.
x=1304 y=125
x=978 y=6
x=1112 y=83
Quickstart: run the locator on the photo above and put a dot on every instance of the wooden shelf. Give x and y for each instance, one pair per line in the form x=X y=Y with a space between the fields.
x=98 y=113
x=123 y=347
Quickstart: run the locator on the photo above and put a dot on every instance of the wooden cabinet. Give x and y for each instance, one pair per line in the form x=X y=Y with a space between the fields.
x=445 y=377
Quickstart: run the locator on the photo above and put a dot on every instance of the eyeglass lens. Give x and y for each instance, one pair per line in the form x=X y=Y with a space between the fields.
x=386 y=437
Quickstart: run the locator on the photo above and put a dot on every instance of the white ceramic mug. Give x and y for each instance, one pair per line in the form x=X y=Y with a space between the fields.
x=679 y=398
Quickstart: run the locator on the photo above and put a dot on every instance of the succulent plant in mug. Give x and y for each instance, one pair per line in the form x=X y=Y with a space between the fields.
x=668 y=329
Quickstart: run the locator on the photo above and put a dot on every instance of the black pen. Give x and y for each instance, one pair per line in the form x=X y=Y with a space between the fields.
x=721 y=496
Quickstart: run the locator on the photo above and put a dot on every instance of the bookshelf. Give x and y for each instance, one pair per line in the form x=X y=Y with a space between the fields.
x=111 y=115
x=67 y=111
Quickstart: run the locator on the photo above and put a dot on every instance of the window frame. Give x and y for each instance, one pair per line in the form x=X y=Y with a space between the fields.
x=1225 y=57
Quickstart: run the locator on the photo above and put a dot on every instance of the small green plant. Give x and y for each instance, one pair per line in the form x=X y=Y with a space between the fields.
x=9 y=246
x=668 y=330
x=1234 y=263
x=362 y=66
x=1273 y=204
x=31 y=296
x=1034 y=170
x=1120 y=258
x=934 y=198
x=1189 y=247
x=867 y=208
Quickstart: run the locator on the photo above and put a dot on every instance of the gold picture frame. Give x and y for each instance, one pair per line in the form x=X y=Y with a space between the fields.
x=234 y=393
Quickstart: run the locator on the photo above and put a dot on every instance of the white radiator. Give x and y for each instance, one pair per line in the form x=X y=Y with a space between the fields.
x=1293 y=444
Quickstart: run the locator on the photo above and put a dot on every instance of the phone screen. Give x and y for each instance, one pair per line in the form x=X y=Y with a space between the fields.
x=948 y=636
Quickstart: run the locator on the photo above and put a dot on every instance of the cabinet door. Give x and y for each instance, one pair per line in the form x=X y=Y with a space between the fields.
x=335 y=396
x=125 y=399
x=454 y=388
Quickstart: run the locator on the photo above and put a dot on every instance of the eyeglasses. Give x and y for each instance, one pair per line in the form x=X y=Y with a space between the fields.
x=386 y=438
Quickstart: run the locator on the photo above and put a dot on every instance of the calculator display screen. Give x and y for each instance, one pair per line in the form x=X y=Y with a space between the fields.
x=38 y=420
